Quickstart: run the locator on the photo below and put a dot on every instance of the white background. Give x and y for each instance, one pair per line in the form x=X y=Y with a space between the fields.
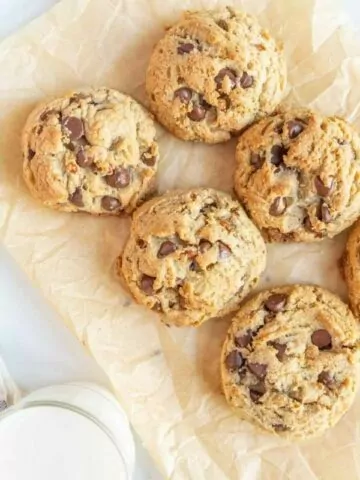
x=34 y=343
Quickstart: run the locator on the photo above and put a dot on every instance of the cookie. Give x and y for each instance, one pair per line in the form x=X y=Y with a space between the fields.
x=298 y=175
x=92 y=151
x=351 y=268
x=289 y=360
x=192 y=255
x=213 y=73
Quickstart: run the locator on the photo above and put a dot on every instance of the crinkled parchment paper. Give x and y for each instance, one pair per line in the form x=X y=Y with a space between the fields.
x=168 y=379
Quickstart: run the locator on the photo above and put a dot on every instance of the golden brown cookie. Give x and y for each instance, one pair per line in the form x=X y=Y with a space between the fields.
x=298 y=175
x=213 y=73
x=289 y=360
x=351 y=268
x=92 y=151
x=192 y=255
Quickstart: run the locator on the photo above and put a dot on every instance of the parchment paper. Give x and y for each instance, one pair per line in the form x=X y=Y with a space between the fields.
x=168 y=379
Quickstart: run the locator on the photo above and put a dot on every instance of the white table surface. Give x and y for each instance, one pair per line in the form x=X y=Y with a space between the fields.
x=35 y=344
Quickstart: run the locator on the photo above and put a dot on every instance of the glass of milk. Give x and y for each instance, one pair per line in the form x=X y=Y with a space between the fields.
x=75 y=431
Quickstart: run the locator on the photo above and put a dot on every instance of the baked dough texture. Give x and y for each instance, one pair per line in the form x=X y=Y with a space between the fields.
x=92 y=151
x=298 y=175
x=213 y=73
x=289 y=360
x=192 y=255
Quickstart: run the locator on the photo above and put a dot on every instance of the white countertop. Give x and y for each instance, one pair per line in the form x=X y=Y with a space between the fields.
x=35 y=344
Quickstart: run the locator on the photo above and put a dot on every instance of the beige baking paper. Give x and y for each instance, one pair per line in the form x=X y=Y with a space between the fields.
x=168 y=379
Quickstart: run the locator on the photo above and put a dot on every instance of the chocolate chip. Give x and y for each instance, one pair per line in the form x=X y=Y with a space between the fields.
x=278 y=207
x=31 y=154
x=222 y=24
x=224 y=251
x=324 y=213
x=185 y=48
x=256 y=160
x=276 y=302
x=257 y=391
x=166 y=248
x=279 y=128
x=224 y=102
x=280 y=427
x=246 y=80
x=204 y=246
x=326 y=379
x=148 y=158
x=147 y=284
x=75 y=127
x=258 y=369
x=281 y=348
x=226 y=72
x=322 y=339
x=234 y=360
x=197 y=113
x=277 y=154
x=110 y=203
x=184 y=94
x=119 y=179
x=243 y=340
x=194 y=266
x=295 y=128
x=76 y=198
x=84 y=160
x=321 y=188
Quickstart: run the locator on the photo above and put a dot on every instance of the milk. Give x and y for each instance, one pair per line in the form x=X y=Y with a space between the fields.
x=66 y=432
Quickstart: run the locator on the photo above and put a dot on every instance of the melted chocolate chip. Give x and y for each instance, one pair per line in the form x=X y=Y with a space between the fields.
x=119 y=179
x=226 y=72
x=148 y=158
x=204 y=246
x=76 y=198
x=31 y=154
x=184 y=94
x=277 y=154
x=222 y=24
x=257 y=391
x=281 y=348
x=322 y=339
x=243 y=340
x=295 y=128
x=258 y=369
x=324 y=213
x=321 y=188
x=147 y=284
x=84 y=160
x=75 y=127
x=224 y=251
x=166 y=248
x=278 y=207
x=185 y=48
x=110 y=203
x=256 y=160
x=246 y=80
x=276 y=302
x=326 y=379
x=234 y=360
x=197 y=113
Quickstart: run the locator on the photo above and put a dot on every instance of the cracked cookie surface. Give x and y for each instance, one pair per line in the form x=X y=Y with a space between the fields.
x=298 y=175
x=192 y=255
x=289 y=361
x=213 y=73
x=93 y=151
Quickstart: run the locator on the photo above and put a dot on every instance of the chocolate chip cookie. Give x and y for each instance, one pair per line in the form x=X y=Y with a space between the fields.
x=92 y=151
x=192 y=255
x=298 y=175
x=213 y=73
x=289 y=360
x=351 y=268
